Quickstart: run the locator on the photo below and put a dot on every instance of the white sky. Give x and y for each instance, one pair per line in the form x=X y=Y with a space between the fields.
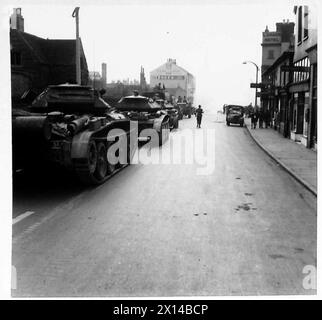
x=210 y=39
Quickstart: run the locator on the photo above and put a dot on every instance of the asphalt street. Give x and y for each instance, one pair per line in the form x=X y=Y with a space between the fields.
x=247 y=228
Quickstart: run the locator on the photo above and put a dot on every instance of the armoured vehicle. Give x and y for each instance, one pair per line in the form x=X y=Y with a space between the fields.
x=185 y=109
x=171 y=111
x=70 y=126
x=235 y=114
x=163 y=98
x=147 y=113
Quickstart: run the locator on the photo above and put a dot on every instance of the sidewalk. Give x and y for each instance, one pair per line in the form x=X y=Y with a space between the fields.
x=297 y=160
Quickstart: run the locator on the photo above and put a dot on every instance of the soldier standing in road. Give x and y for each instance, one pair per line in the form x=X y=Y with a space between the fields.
x=199 y=113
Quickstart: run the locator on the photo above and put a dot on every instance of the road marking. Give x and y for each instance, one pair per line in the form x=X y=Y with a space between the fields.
x=22 y=216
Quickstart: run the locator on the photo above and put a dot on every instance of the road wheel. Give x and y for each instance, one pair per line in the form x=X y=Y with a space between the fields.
x=86 y=168
x=101 y=165
x=92 y=157
x=189 y=116
x=111 y=167
x=228 y=123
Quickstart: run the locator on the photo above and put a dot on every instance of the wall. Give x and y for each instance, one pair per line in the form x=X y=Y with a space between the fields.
x=271 y=41
x=300 y=48
x=171 y=76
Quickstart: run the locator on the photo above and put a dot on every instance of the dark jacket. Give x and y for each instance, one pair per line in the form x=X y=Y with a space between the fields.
x=199 y=112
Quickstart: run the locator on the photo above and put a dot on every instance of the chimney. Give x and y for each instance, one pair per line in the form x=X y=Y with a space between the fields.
x=171 y=61
x=104 y=75
x=16 y=20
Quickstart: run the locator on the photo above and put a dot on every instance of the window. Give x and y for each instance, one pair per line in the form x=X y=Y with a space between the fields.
x=306 y=22
x=270 y=54
x=304 y=73
x=16 y=58
x=299 y=25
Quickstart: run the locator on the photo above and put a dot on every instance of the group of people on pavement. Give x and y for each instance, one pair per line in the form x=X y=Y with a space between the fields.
x=263 y=117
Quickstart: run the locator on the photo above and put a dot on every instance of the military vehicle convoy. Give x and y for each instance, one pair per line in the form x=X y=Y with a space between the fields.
x=70 y=126
x=162 y=97
x=147 y=113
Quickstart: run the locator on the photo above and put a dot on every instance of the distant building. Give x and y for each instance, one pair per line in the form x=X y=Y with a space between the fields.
x=95 y=80
x=143 y=83
x=117 y=89
x=37 y=62
x=176 y=80
x=274 y=43
x=104 y=75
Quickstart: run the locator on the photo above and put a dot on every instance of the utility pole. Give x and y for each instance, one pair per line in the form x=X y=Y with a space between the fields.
x=78 y=66
x=257 y=69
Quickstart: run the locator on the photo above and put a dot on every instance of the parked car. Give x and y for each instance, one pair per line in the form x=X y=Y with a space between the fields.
x=235 y=115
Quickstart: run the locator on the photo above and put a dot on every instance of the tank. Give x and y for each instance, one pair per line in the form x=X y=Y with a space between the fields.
x=163 y=98
x=171 y=111
x=147 y=113
x=185 y=109
x=69 y=126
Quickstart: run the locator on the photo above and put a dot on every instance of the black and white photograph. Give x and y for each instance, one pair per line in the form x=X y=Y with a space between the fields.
x=159 y=149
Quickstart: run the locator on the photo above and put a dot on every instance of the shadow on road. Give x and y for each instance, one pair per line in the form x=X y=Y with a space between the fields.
x=32 y=189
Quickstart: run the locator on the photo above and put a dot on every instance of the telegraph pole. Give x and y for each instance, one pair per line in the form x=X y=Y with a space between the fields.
x=78 y=66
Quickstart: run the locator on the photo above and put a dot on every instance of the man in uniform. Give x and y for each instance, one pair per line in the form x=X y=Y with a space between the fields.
x=199 y=113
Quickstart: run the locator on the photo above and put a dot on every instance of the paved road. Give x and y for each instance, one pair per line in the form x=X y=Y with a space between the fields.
x=162 y=230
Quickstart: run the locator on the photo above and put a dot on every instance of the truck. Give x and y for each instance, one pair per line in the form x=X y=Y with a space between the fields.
x=235 y=115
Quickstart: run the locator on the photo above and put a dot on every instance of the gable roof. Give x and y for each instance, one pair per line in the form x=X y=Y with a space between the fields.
x=32 y=42
x=60 y=52
x=164 y=65
x=49 y=51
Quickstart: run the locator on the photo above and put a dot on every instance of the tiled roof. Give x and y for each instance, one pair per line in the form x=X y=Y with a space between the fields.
x=50 y=51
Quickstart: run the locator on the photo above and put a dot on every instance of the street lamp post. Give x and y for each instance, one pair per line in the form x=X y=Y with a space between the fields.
x=257 y=69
